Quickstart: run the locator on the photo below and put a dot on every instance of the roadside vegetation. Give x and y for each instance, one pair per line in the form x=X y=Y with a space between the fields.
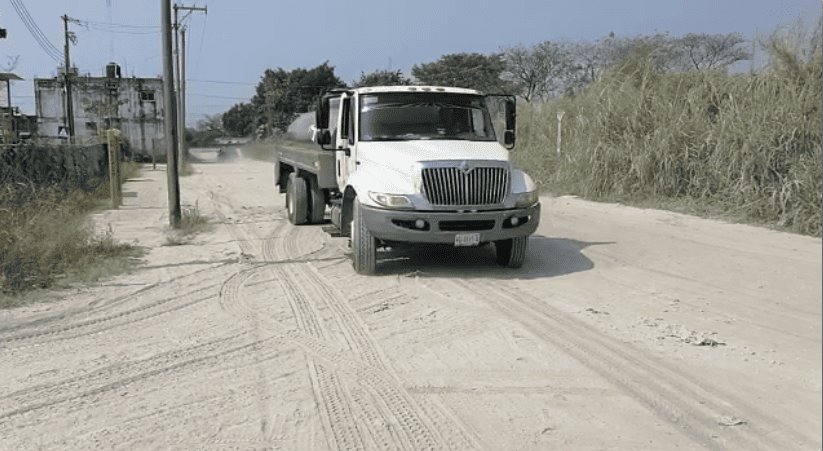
x=45 y=239
x=742 y=147
x=191 y=223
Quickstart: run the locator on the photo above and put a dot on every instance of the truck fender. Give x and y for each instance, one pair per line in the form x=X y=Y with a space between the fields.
x=380 y=180
x=281 y=175
x=347 y=212
x=522 y=182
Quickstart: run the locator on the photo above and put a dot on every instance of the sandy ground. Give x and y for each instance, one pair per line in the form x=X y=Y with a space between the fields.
x=626 y=329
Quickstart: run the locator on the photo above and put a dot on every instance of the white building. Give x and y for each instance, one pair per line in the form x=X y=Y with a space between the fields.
x=133 y=105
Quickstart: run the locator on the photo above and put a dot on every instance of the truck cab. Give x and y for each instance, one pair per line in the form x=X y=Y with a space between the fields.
x=418 y=164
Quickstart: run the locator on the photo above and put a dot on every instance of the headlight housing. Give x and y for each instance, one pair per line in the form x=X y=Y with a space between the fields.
x=397 y=201
x=525 y=200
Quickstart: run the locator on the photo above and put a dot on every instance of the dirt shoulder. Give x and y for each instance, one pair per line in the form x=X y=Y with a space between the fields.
x=626 y=329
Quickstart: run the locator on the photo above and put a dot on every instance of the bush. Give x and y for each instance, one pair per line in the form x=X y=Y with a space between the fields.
x=43 y=236
x=745 y=145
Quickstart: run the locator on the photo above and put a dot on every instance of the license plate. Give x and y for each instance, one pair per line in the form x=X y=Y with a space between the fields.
x=466 y=239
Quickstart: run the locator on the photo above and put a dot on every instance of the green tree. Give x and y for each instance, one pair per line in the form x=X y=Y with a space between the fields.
x=381 y=78
x=464 y=70
x=207 y=129
x=239 y=120
x=282 y=94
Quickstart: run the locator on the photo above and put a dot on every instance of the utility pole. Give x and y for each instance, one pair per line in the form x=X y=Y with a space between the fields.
x=180 y=59
x=184 y=146
x=170 y=115
x=67 y=63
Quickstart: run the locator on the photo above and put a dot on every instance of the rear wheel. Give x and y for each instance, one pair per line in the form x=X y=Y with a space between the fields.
x=364 y=245
x=512 y=252
x=297 y=199
x=317 y=203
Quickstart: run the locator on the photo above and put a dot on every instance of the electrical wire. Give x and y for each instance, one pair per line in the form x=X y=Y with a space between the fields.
x=117 y=25
x=200 y=48
x=116 y=31
x=224 y=82
x=212 y=96
x=35 y=31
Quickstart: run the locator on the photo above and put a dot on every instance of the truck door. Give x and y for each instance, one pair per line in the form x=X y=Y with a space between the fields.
x=345 y=140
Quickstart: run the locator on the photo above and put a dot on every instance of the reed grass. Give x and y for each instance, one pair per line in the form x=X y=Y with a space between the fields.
x=741 y=146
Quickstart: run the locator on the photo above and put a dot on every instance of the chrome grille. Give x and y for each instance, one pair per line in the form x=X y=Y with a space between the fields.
x=453 y=186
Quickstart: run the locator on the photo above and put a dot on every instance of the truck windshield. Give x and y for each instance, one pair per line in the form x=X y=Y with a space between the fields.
x=402 y=116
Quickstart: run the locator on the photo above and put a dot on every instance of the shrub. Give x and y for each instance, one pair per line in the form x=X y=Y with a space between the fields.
x=747 y=145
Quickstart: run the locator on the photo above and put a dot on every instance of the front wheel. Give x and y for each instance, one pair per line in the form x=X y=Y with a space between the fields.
x=364 y=245
x=512 y=252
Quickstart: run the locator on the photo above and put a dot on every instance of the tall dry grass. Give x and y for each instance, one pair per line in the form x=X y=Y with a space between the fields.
x=44 y=235
x=746 y=146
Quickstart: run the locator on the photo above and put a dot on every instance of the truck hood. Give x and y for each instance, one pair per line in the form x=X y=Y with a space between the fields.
x=401 y=156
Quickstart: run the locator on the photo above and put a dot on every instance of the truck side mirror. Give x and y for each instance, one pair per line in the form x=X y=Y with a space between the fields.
x=508 y=139
x=323 y=137
x=511 y=122
x=321 y=123
x=321 y=114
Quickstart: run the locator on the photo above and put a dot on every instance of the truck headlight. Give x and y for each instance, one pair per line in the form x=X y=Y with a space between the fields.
x=525 y=200
x=391 y=200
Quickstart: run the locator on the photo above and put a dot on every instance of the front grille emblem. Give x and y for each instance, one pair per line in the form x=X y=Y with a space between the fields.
x=464 y=167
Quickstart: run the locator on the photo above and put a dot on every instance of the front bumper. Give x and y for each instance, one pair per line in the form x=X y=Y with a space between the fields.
x=442 y=226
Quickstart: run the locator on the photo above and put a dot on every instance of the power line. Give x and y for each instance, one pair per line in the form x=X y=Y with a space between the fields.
x=111 y=27
x=116 y=31
x=222 y=82
x=117 y=25
x=35 y=31
x=202 y=36
x=211 y=96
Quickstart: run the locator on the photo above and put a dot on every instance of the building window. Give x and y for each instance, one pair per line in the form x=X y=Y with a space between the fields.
x=92 y=126
x=147 y=96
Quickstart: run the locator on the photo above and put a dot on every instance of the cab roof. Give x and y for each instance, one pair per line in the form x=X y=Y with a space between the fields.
x=444 y=89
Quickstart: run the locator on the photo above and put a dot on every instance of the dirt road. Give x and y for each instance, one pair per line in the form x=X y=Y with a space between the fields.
x=626 y=329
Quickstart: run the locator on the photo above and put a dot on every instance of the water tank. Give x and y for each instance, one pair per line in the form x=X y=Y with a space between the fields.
x=113 y=70
x=300 y=128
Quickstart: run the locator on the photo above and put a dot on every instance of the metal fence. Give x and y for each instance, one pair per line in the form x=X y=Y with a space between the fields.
x=65 y=165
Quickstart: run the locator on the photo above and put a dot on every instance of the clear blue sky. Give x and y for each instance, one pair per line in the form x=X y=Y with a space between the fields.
x=239 y=39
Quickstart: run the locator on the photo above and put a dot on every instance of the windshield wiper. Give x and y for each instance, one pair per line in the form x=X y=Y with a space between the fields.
x=418 y=104
x=406 y=137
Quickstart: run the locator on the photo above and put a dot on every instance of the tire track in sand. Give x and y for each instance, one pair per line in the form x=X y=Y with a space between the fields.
x=689 y=404
x=113 y=377
x=417 y=420
x=93 y=326
x=340 y=424
x=378 y=395
x=100 y=305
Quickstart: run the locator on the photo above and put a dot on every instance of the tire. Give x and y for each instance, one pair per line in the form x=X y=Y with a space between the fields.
x=297 y=199
x=364 y=245
x=317 y=203
x=511 y=253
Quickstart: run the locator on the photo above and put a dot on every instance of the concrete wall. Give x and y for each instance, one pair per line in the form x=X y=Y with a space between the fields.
x=131 y=109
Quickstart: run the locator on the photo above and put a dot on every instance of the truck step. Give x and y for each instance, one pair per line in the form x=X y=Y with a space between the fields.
x=332 y=230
